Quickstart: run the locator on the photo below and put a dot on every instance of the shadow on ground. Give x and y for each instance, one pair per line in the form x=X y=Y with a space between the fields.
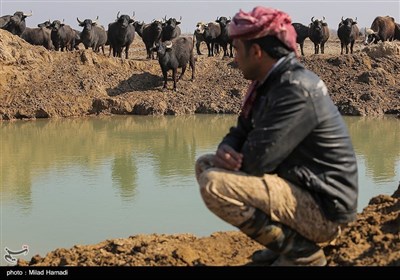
x=137 y=82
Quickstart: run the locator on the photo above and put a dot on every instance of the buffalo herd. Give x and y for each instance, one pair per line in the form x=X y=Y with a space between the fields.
x=163 y=36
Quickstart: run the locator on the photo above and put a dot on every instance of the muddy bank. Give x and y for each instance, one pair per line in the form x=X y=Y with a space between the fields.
x=373 y=239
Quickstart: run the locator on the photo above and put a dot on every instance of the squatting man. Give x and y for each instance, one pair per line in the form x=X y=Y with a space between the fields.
x=286 y=174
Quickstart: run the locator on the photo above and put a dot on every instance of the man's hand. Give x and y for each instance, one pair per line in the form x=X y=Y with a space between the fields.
x=228 y=158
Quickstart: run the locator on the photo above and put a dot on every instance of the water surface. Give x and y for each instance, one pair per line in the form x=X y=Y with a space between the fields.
x=81 y=181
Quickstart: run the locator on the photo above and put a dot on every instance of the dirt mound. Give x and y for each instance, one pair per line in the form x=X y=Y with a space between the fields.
x=373 y=239
x=382 y=50
x=36 y=83
x=363 y=84
x=221 y=248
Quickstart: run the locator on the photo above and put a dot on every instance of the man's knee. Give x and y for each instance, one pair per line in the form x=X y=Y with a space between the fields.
x=209 y=177
x=202 y=164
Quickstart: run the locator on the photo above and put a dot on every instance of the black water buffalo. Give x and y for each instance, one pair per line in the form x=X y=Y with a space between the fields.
x=4 y=20
x=173 y=55
x=40 y=36
x=211 y=32
x=47 y=25
x=77 y=39
x=348 y=33
x=62 y=36
x=92 y=35
x=139 y=26
x=397 y=32
x=223 y=39
x=382 y=29
x=302 y=34
x=199 y=36
x=121 y=33
x=15 y=23
x=318 y=33
x=170 y=29
x=151 y=34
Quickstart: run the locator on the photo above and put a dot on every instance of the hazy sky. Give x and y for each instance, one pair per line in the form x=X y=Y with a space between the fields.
x=193 y=11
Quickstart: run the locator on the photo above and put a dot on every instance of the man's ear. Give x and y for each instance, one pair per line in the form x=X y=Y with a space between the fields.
x=256 y=50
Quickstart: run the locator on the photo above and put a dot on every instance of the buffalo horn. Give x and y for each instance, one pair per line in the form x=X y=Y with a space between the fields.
x=168 y=44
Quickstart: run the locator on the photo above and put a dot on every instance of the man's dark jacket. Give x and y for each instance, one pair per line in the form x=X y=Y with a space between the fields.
x=294 y=130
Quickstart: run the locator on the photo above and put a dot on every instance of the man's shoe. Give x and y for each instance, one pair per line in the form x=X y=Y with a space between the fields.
x=265 y=256
x=315 y=259
x=292 y=248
